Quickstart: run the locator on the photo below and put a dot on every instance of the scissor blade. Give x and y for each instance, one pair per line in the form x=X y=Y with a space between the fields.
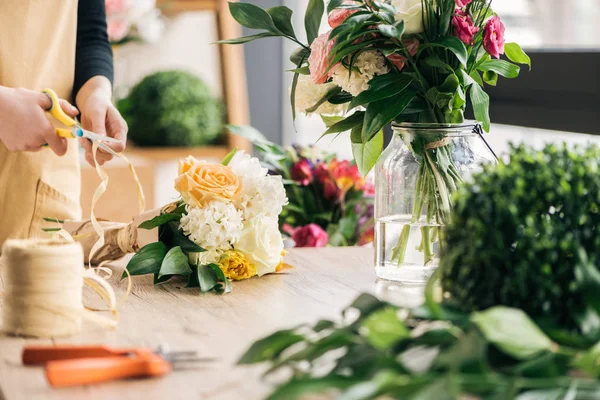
x=94 y=136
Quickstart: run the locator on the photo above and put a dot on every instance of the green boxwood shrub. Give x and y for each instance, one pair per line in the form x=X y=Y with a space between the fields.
x=520 y=230
x=172 y=108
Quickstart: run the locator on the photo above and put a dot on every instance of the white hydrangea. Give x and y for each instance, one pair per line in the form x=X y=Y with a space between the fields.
x=308 y=94
x=369 y=63
x=216 y=227
x=262 y=195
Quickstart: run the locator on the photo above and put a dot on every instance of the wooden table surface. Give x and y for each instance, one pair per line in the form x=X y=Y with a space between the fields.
x=321 y=284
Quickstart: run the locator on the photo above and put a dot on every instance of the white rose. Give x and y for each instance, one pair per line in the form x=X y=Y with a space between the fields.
x=262 y=244
x=411 y=12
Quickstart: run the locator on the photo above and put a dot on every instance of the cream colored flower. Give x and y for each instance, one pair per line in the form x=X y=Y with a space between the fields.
x=308 y=94
x=262 y=244
x=369 y=64
x=199 y=182
x=411 y=12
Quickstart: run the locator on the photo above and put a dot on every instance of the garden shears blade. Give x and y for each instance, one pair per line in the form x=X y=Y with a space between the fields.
x=74 y=129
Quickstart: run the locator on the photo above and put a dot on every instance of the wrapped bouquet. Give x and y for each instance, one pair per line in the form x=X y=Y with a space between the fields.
x=129 y=20
x=225 y=227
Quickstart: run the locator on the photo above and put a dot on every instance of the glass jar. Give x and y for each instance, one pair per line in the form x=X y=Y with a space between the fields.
x=415 y=178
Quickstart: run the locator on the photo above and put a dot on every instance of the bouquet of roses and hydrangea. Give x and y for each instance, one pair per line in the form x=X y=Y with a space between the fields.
x=330 y=203
x=225 y=227
x=129 y=20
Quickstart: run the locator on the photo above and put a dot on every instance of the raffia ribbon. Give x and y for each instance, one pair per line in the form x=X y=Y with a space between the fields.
x=437 y=144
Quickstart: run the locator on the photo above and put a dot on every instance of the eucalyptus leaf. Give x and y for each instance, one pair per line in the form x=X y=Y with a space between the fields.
x=159 y=220
x=146 y=261
x=176 y=262
x=515 y=54
x=269 y=348
x=512 y=331
x=252 y=16
x=312 y=19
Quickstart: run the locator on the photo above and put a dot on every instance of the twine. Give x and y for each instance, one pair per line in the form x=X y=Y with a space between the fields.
x=440 y=143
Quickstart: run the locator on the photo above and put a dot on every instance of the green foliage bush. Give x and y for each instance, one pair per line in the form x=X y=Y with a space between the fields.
x=172 y=108
x=520 y=232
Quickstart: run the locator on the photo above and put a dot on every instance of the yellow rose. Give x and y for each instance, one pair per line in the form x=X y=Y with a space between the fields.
x=236 y=266
x=200 y=182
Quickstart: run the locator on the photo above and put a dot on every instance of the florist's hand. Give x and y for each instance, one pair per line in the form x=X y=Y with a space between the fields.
x=23 y=123
x=100 y=116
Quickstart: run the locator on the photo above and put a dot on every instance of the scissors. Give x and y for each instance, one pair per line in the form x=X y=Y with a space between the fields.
x=74 y=128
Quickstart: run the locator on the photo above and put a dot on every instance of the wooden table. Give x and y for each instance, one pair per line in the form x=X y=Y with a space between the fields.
x=321 y=284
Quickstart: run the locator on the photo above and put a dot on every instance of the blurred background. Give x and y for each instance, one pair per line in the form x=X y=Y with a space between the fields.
x=177 y=89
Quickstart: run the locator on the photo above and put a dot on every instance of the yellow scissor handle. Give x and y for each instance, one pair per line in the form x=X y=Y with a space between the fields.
x=66 y=133
x=57 y=112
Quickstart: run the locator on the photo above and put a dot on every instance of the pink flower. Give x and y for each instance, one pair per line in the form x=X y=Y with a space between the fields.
x=301 y=172
x=311 y=235
x=339 y=15
x=115 y=6
x=412 y=45
x=318 y=61
x=493 y=37
x=463 y=3
x=464 y=28
x=117 y=29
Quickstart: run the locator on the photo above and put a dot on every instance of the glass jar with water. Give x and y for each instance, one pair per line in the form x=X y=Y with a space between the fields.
x=415 y=178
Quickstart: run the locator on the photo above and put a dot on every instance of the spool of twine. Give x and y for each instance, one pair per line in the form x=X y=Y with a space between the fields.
x=43 y=282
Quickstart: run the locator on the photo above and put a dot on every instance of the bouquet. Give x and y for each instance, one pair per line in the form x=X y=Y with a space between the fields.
x=330 y=203
x=395 y=61
x=224 y=228
x=129 y=20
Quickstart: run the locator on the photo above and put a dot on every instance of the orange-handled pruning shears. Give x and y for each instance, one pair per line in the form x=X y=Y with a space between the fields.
x=83 y=365
x=74 y=128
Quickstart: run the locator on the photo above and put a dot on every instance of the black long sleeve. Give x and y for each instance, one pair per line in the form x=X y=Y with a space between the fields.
x=93 y=51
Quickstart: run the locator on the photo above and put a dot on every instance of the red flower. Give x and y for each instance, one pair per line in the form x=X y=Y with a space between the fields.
x=463 y=3
x=464 y=28
x=493 y=37
x=311 y=235
x=302 y=173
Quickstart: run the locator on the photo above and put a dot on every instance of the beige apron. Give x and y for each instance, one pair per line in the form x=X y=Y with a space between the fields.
x=37 y=50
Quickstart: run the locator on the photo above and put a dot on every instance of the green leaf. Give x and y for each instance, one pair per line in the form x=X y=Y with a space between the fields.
x=454 y=44
x=246 y=39
x=229 y=157
x=490 y=77
x=176 y=262
x=269 y=348
x=312 y=18
x=501 y=67
x=333 y=4
x=299 y=56
x=206 y=278
x=383 y=328
x=252 y=16
x=515 y=53
x=248 y=132
x=589 y=361
x=366 y=304
x=146 y=261
x=221 y=276
x=382 y=112
x=476 y=78
x=588 y=279
x=439 y=390
x=543 y=394
x=282 y=18
x=323 y=324
x=392 y=31
x=382 y=87
x=299 y=388
x=179 y=239
x=330 y=120
x=159 y=220
x=481 y=106
x=366 y=154
x=301 y=71
x=346 y=124
x=330 y=93
x=512 y=331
